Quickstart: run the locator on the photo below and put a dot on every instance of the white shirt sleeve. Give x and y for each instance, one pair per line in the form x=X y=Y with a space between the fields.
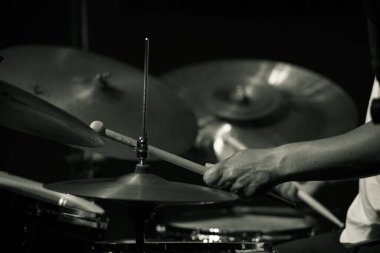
x=375 y=93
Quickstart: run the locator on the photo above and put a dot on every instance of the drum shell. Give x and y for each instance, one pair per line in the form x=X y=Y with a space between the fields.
x=32 y=225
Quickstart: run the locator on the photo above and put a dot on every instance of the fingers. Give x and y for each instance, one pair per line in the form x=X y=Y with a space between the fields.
x=250 y=190
x=240 y=184
x=288 y=190
x=227 y=178
x=242 y=176
x=239 y=181
x=212 y=175
x=219 y=176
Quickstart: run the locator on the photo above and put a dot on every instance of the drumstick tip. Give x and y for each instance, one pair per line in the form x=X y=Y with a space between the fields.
x=98 y=126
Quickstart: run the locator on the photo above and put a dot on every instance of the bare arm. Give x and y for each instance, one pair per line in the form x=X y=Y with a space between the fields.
x=351 y=155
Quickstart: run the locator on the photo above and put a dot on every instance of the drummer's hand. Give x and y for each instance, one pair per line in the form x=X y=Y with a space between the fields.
x=247 y=172
x=289 y=190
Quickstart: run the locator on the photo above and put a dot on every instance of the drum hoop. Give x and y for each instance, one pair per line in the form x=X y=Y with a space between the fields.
x=225 y=233
x=34 y=207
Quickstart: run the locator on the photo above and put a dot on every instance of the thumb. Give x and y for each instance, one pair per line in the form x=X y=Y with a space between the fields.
x=212 y=175
x=209 y=165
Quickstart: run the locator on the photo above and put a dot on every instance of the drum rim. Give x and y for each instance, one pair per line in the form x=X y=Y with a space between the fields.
x=35 y=190
x=38 y=208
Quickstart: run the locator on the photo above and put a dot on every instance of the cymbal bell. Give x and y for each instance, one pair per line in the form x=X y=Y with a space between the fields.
x=243 y=102
x=24 y=112
x=261 y=103
x=142 y=187
x=94 y=87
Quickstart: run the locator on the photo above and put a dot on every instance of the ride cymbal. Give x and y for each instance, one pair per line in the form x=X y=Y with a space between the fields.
x=94 y=87
x=24 y=112
x=259 y=104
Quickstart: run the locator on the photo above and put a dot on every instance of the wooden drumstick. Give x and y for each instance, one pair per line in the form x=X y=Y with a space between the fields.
x=317 y=206
x=99 y=127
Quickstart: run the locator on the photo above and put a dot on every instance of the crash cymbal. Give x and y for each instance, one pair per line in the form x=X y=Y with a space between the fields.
x=259 y=104
x=94 y=87
x=24 y=112
x=142 y=187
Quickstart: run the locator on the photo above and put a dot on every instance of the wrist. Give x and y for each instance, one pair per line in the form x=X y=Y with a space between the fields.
x=289 y=162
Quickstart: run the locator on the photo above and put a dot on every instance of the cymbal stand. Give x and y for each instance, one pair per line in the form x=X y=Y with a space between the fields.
x=141 y=213
x=142 y=143
x=79 y=24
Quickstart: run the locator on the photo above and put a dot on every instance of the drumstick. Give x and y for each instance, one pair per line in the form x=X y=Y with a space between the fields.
x=99 y=127
x=317 y=206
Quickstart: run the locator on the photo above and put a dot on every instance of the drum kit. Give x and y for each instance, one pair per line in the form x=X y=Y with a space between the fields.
x=50 y=91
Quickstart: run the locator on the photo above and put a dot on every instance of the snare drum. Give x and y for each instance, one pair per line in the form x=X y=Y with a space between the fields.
x=238 y=224
x=36 y=219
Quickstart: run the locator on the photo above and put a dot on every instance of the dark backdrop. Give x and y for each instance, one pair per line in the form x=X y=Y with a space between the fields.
x=329 y=37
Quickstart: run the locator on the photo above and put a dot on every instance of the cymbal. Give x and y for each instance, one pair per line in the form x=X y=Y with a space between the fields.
x=142 y=187
x=261 y=103
x=24 y=112
x=94 y=87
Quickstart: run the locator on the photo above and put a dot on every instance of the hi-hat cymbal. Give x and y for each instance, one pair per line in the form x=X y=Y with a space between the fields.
x=259 y=104
x=142 y=187
x=24 y=112
x=93 y=87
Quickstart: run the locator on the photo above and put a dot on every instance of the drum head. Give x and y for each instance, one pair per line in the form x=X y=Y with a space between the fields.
x=253 y=219
x=245 y=223
x=239 y=223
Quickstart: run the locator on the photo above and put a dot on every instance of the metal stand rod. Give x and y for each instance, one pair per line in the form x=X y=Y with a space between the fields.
x=84 y=25
x=140 y=213
x=139 y=234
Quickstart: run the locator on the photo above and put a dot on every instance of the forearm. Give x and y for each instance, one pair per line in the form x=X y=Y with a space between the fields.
x=351 y=155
